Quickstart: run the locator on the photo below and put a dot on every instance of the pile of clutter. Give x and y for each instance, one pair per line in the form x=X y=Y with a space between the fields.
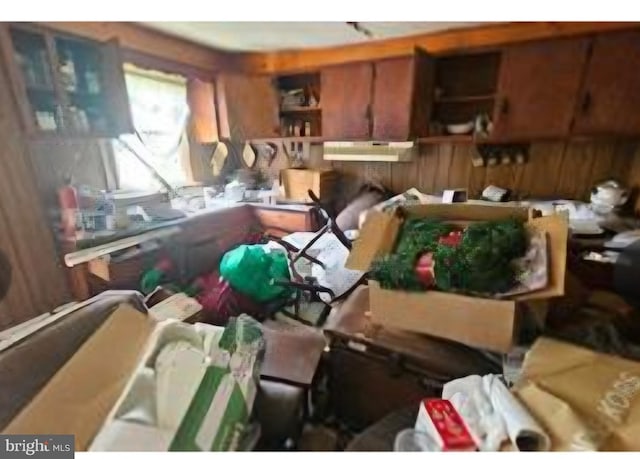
x=556 y=405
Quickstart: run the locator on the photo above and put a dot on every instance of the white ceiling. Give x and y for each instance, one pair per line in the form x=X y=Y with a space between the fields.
x=272 y=36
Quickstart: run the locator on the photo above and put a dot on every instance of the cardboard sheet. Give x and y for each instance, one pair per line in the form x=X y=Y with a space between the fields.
x=585 y=400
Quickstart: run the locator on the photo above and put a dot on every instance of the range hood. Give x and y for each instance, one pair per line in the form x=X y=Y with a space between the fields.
x=370 y=151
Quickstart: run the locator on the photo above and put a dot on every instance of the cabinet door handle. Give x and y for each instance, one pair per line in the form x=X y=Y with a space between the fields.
x=504 y=106
x=394 y=365
x=60 y=116
x=5 y=274
x=369 y=117
x=368 y=114
x=586 y=102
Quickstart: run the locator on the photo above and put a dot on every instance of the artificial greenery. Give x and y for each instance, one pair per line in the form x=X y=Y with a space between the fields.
x=481 y=263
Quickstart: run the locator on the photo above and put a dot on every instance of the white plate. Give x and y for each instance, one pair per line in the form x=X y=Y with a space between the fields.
x=585 y=227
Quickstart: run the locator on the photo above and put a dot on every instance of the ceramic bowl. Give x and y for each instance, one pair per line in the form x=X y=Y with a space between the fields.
x=460 y=128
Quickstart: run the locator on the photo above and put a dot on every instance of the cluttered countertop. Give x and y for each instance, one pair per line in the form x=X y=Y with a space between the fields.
x=177 y=214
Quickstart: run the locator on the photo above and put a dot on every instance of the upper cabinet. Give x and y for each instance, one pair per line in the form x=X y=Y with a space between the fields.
x=609 y=102
x=248 y=106
x=463 y=87
x=202 y=103
x=538 y=87
x=381 y=100
x=400 y=96
x=300 y=105
x=549 y=89
x=346 y=101
x=66 y=85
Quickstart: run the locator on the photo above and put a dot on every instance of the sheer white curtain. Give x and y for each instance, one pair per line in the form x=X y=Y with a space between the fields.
x=160 y=111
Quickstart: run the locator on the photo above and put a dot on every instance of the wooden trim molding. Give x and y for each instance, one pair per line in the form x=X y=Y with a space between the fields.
x=158 y=49
x=439 y=42
x=150 y=44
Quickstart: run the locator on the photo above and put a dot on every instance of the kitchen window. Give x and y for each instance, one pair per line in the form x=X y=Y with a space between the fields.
x=160 y=115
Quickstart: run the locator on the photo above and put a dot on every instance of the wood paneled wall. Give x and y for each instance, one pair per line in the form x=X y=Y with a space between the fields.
x=554 y=169
x=633 y=180
x=38 y=284
x=89 y=161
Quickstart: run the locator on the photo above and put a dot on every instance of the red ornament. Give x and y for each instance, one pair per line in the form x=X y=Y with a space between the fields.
x=453 y=239
x=424 y=269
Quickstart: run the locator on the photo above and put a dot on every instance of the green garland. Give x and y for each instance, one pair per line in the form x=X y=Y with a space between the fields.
x=396 y=270
x=481 y=263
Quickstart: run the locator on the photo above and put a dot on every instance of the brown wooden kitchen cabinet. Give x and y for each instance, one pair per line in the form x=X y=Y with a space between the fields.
x=401 y=88
x=248 y=107
x=346 y=101
x=381 y=100
x=202 y=103
x=537 y=88
x=609 y=102
x=66 y=85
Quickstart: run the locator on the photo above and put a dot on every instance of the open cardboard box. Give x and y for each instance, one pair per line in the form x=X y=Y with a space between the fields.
x=481 y=322
x=86 y=394
x=77 y=399
x=193 y=398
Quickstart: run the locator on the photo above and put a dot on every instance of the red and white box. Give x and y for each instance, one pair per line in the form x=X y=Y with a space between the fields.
x=443 y=423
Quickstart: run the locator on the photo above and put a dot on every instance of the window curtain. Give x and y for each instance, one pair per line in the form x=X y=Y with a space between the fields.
x=160 y=113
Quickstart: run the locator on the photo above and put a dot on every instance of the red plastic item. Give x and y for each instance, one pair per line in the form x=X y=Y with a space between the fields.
x=453 y=239
x=424 y=269
x=68 y=201
x=445 y=425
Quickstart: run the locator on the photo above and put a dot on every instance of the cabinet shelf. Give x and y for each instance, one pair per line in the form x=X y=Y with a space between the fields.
x=84 y=94
x=40 y=89
x=312 y=139
x=449 y=138
x=465 y=99
x=299 y=111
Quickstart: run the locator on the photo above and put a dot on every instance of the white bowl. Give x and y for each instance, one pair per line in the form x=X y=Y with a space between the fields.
x=461 y=128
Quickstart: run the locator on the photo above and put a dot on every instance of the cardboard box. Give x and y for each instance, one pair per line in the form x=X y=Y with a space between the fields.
x=480 y=322
x=84 y=396
x=297 y=182
x=77 y=399
x=193 y=390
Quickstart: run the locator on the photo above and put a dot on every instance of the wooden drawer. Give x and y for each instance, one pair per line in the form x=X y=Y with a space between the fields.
x=122 y=273
x=212 y=225
x=279 y=222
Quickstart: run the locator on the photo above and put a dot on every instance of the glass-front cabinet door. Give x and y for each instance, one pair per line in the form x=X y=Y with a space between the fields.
x=66 y=85
x=80 y=72
x=42 y=108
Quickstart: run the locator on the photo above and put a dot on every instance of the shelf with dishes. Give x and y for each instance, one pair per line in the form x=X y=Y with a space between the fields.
x=464 y=97
x=300 y=112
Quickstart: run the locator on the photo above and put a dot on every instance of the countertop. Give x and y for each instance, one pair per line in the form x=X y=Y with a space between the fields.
x=105 y=237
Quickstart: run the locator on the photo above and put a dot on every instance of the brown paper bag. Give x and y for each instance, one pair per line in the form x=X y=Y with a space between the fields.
x=585 y=400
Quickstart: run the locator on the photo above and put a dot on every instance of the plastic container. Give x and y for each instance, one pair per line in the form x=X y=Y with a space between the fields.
x=411 y=440
x=234 y=191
